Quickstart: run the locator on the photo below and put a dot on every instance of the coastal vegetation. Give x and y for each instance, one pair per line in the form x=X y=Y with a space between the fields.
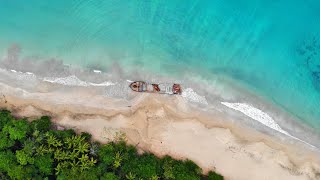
x=35 y=150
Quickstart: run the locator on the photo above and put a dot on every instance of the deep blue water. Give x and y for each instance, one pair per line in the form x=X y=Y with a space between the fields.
x=269 y=46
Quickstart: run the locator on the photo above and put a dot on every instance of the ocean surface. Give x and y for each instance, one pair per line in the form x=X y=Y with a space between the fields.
x=269 y=47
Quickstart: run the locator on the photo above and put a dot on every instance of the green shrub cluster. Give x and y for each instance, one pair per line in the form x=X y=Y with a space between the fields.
x=36 y=151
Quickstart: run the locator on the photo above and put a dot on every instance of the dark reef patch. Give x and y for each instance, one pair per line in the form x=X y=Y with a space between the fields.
x=309 y=52
x=316 y=80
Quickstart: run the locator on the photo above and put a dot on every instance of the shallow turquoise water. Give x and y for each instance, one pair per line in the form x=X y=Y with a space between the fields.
x=271 y=47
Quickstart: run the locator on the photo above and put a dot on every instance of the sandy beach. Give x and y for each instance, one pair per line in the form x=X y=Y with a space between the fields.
x=166 y=125
x=249 y=71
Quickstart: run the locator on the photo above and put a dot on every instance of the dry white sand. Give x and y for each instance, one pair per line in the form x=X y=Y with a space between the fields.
x=168 y=126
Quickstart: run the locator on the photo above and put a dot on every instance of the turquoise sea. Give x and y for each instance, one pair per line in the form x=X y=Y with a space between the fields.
x=271 y=47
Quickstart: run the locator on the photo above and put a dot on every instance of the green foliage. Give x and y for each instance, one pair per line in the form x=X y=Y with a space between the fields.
x=7 y=160
x=45 y=164
x=52 y=141
x=17 y=172
x=23 y=158
x=5 y=141
x=174 y=169
x=130 y=176
x=107 y=153
x=145 y=166
x=168 y=172
x=63 y=134
x=192 y=167
x=214 y=176
x=43 y=124
x=110 y=176
x=5 y=118
x=86 y=136
x=17 y=130
x=34 y=151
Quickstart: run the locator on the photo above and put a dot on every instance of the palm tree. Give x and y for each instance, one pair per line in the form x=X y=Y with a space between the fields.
x=69 y=141
x=36 y=133
x=29 y=147
x=58 y=155
x=74 y=164
x=84 y=166
x=58 y=143
x=64 y=155
x=74 y=154
x=78 y=139
x=92 y=161
x=154 y=177
x=86 y=163
x=53 y=141
x=39 y=138
x=131 y=176
x=74 y=141
x=83 y=147
x=41 y=150
x=117 y=160
x=84 y=159
x=47 y=134
x=58 y=168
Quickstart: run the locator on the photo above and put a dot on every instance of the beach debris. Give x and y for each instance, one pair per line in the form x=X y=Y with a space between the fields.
x=3 y=98
x=142 y=86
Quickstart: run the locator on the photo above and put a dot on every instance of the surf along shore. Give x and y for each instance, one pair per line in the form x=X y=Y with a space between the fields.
x=164 y=125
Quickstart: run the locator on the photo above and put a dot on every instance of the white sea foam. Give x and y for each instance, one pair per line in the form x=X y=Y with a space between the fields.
x=192 y=96
x=261 y=117
x=97 y=71
x=23 y=76
x=255 y=114
x=75 y=81
x=67 y=81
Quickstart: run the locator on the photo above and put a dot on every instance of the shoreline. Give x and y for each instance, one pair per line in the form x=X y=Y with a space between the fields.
x=169 y=125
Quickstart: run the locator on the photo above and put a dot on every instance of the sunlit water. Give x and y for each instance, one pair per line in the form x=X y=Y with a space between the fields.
x=271 y=48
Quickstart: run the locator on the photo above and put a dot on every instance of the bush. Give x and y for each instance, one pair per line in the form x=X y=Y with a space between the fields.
x=214 y=176
x=110 y=176
x=63 y=134
x=17 y=130
x=145 y=166
x=43 y=124
x=5 y=118
x=44 y=164
x=86 y=135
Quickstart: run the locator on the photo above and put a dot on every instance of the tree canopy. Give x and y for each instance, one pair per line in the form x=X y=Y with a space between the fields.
x=33 y=150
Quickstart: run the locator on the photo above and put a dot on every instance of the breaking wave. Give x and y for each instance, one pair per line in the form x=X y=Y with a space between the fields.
x=72 y=80
x=261 y=117
x=75 y=81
